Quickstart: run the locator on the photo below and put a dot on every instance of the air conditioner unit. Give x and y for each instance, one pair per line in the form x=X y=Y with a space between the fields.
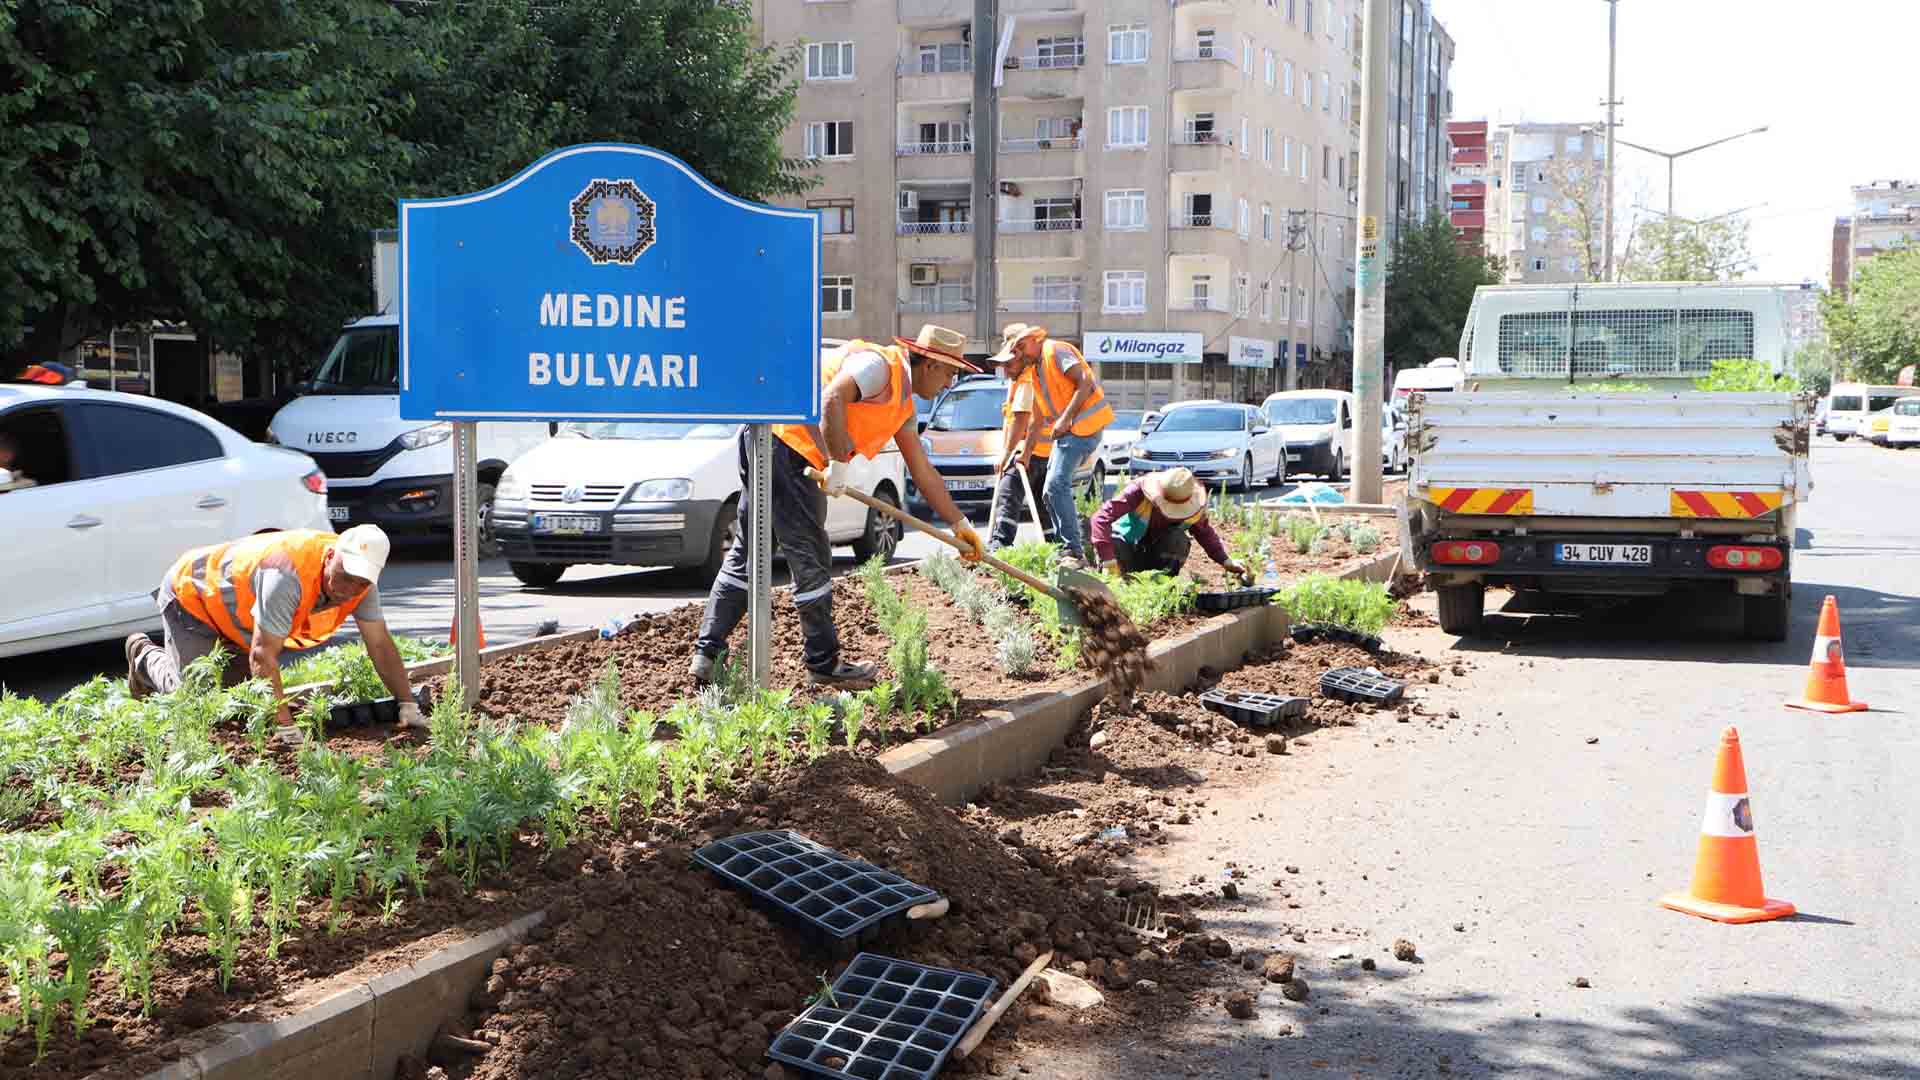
x=909 y=199
x=923 y=274
x=1008 y=187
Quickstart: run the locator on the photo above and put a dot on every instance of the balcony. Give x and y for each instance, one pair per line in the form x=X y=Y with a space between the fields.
x=934 y=241
x=1205 y=233
x=1200 y=149
x=1044 y=76
x=1207 y=303
x=1469 y=219
x=1041 y=238
x=1040 y=303
x=1205 y=69
x=937 y=299
x=924 y=80
x=1469 y=155
x=944 y=159
x=1470 y=189
x=1039 y=159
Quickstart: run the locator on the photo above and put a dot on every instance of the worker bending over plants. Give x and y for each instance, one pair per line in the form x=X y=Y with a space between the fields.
x=1152 y=523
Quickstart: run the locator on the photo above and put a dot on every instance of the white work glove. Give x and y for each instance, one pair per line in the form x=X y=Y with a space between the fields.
x=411 y=717
x=835 y=480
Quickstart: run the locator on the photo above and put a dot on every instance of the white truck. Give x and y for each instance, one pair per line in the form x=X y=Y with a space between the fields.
x=1577 y=491
x=394 y=473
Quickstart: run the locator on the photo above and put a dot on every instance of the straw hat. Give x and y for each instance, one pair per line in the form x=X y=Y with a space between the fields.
x=1012 y=336
x=1175 y=493
x=942 y=344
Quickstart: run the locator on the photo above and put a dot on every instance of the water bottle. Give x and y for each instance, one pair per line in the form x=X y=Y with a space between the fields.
x=614 y=626
x=1271 y=579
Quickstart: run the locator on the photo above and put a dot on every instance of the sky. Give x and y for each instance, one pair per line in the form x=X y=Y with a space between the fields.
x=1835 y=82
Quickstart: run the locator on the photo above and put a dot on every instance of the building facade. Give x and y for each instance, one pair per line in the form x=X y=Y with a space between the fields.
x=1886 y=215
x=1419 y=82
x=1174 y=183
x=1532 y=184
x=1467 y=184
x=1840 y=272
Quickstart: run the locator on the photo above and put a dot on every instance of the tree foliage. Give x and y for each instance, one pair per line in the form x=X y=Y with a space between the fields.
x=1743 y=376
x=1576 y=195
x=221 y=162
x=1876 y=331
x=1682 y=250
x=1430 y=284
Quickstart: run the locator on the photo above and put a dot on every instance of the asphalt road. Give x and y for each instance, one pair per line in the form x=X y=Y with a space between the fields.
x=1549 y=849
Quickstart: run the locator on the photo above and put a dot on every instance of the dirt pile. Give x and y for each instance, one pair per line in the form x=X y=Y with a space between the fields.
x=658 y=970
x=1115 y=646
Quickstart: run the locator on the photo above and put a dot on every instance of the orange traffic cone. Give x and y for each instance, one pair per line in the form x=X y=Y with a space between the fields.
x=479 y=632
x=1827 y=671
x=1726 y=872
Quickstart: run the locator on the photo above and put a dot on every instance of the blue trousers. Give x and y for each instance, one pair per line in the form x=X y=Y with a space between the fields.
x=1069 y=454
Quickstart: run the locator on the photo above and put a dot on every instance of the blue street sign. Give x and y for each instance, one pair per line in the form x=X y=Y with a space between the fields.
x=608 y=282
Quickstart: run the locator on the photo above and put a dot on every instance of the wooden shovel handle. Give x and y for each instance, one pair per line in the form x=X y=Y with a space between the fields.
x=944 y=537
x=985 y=1024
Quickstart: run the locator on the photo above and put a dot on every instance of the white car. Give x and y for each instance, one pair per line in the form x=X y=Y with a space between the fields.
x=1316 y=426
x=1903 y=426
x=1393 y=438
x=1218 y=440
x=1116 y=442
x=123 y=484
x=656 y=494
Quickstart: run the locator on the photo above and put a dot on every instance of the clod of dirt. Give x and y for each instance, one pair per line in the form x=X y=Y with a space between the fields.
x=1460 y=927
x=1146 y=986
x=1293 y=869
x=1279 y=968
x=1115 y=647
x=1582 y=983
x=1240 y=1005
x=1229 y=891
x=1403 y=950
x=1219 y=948
x=1591 y=739
x=1295 y=989
x=1367 y=964
x=1276 y=744
x=1250 y=959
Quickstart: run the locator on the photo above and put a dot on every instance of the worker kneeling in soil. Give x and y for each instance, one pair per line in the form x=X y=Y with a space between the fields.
x=265 y=593
x=866 y=401
x=1147 y=526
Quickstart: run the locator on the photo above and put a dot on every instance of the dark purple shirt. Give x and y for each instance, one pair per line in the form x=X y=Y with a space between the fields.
x=1129 y=500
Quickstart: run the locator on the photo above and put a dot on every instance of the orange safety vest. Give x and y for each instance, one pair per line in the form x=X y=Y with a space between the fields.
x=1036 y=427
x=1052 y=390
x=871 y=424
x=201 y=574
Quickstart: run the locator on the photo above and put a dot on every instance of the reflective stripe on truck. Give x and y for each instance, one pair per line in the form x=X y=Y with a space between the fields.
x=1479 y=500
x=1724 y=504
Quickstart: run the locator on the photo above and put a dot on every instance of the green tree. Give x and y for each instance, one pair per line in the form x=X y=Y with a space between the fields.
x=1682 y=250
x=1876 y=331
x=1430 y=284
x=1743 y=376
x=1812 y=367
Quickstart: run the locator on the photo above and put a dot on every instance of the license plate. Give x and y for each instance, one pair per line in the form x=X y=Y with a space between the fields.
x=565 y=523
x=969 y=485
x=337 y=513
x=1623 y=554
x=1296 y=457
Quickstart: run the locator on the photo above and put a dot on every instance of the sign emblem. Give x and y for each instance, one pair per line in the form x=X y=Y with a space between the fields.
x=613 y=222
x=574 y=494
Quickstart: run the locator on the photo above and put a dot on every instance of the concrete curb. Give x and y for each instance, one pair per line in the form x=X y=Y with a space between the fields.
x=360 y=1030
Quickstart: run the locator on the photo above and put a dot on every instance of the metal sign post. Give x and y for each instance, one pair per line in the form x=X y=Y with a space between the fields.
x=607 y=282
x=466 y=565
x=760 y=557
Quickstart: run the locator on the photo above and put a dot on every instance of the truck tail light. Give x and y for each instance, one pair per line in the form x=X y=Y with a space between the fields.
x=1466 y=552
x=315 y=481
x=1739 y=557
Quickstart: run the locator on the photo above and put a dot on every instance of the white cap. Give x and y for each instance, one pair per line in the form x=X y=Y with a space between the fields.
x=363 y=551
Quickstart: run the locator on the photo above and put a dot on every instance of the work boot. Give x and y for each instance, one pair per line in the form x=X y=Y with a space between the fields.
x=845 y=676
x=1072 y=562
x=136 y=647
x=701 y=668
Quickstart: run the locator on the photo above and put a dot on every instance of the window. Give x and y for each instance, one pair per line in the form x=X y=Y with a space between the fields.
x=1127 y=43
x=830 y=139
x=1245 y=221
x=1286 y=153
x=949 y=56
x=1059 y=51
x=836 y=215
x=1242 y=294
x=1310 y=16
x=1306 y=162
x=1306 y=89
x=1299 y=304
x=1266 y=146
x=1573 y=264
x=1266 y=301
x=44 y=451
x=1126 y=292
x=1127 y=126
x=1326 y=93
x=1540 y=265
x=1197 y=209
x=1056 y=292
x=1286 y=303
x=1202 y=285
x=1326 y=162
x=1340 y=163
x=1271 y=66
x=1246 y=143
x=836 y=294
x=1575 y=144
x=830 y=60
x=1203 y=39
x=1293 y=12
x=1246 y=54
x=1539 y=204
x=1266 y=221
x=144 y=439
x=1054 y=213
x=1539 y=234
x=1286 y=77
x=1127 y=208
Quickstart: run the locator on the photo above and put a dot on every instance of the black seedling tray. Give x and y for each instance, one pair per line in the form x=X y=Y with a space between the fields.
x=1232 y=599
x=1361 y=684
x=1254 y=710
x=884 y=1019
x=1308 y=632
x=359 y=714
x=795 y=878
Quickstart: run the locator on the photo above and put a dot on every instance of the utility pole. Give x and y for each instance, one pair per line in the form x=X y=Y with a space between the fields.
x=1606 y=240
x=985 y=56
x=1370 y=316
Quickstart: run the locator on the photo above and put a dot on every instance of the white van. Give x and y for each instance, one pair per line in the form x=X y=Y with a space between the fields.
x=394 y=473
x=1850 y=404
x=1903 y=424
x=1317 y=426
x=1439 y=375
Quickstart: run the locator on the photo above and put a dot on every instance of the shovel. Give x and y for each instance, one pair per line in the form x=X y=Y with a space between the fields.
x=1069 y=614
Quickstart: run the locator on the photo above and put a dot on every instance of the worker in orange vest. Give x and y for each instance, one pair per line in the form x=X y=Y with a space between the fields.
x=866 y=402
x=1010 y=489
x=1073 y=409
x=266 y=593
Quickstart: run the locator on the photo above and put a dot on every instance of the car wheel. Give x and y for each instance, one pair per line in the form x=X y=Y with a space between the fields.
x=1338 y=470
x=537 y=575
x=725 y=524
x=1461 y=608
x=1246 y=473
x=882 y=534
x=486 y=546
x=1097 y=482
x=1840 y=438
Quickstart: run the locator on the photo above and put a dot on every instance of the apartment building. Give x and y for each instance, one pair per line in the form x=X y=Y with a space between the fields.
x=1419 y=83
x=1886 y=215
x=1467 y=181
x=1840 y=272
x=1531 y=182
x=1173 y=181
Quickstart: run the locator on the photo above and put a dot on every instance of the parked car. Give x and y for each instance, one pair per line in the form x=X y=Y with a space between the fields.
x=655 y=494
x=1903 y=427
x=1877 y=425
x=1117 y=440
x=1315 y=425
x=123 y=484
x=1149 y=421
x=1393 y=438
x=1218 y=440
x=964 y=440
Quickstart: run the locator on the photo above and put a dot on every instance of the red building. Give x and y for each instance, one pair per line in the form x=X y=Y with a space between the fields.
x=1467 y=183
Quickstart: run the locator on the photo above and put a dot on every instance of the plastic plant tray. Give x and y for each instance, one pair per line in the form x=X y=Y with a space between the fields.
x=359 y=714
x=799 y=879
x=1361 y=684
x=884 y=1019
x=1232 y=599
x=1254 y=710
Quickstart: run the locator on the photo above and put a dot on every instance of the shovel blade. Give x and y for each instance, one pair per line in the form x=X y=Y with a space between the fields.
x=1075 y=579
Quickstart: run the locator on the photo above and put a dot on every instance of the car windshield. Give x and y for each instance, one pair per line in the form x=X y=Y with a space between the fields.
x=606 y=429
x=1128 y=421
x=362 y=361
x=1846 y=403
x=1907 y=408
x=1204 y=420
x=969 y=410
x=1313 y=410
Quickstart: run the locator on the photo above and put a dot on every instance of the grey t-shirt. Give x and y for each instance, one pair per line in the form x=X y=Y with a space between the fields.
x=869 y=371
x=277 y=595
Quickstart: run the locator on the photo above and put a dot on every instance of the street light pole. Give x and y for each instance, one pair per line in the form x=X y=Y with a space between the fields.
x=1370 y=321
x=1676 y=155
x=1606 y=239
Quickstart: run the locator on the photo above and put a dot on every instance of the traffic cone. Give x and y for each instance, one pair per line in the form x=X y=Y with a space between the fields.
x=1827 y=671
x=479 y=632
x=1726 y=872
